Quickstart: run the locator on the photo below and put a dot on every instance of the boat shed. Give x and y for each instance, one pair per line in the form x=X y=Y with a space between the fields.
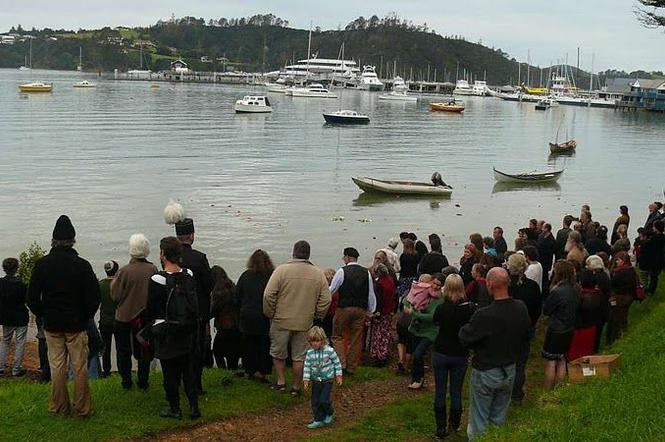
x=644 y=94
x=179 y=66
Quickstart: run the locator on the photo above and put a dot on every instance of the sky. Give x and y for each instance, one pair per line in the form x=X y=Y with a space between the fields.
x=606 y=31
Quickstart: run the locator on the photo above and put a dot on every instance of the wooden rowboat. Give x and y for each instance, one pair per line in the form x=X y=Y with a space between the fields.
x=401 y=187
x=528 y=177
x=447 y=107
x=567 y=147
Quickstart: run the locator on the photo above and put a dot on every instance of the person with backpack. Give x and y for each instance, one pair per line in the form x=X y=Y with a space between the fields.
x=172 y=311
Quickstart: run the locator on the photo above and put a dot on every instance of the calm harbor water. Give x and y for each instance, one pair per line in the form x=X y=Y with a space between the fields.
x=111 y=157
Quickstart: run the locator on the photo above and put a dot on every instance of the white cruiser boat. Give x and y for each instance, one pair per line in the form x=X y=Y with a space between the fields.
x=84 y=84
x=480 y=88
x=399 y=92
x=314 y=90
x=253 y=104
x=369 y=81
x=462 y=88
x=325 y=68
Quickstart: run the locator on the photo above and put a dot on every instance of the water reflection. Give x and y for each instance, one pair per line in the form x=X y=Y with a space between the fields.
x=376 y=198
x=525 y=187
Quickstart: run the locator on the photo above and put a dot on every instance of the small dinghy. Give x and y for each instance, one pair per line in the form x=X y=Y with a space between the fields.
x=528 y=177
x=401 y=187
x=567 y=147
x=345 y=117
x=450 y=106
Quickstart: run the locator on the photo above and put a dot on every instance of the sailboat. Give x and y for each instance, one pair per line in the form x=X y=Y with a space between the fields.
x=140 y=72
x=565 y=147
x=26 y=66
x=344 y=116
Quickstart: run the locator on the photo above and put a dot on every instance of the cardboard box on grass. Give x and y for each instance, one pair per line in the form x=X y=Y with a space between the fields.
x=593 y=366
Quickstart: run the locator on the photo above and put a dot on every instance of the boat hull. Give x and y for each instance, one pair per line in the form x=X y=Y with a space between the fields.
x=545 y=177
x=36 y=89
x=567 y=147
x=401 y=187
x=305 y=94
x=398 y=97
x=341 y=119
x=246 y=109
x=442 y=107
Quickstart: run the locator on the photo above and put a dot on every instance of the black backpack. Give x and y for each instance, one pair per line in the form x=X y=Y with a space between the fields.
x=181 y=302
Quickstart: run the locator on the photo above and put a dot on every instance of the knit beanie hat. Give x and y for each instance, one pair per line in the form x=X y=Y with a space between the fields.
x=63 y=230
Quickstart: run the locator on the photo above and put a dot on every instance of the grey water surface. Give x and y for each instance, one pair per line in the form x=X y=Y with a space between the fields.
x=112 y=156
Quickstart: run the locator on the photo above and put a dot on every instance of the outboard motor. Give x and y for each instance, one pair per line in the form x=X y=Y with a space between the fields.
x=437 y=180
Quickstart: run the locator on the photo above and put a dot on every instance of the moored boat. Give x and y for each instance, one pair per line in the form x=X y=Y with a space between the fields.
x=36 y=87
x=314 y=90
x=528 y=177
x=253 y=104
x=567 y=147
x=450 y=106
x=345 y=117
x=84 y=84
x=401 y=187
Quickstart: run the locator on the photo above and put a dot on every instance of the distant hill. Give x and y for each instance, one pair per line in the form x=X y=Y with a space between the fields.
x=263 y=43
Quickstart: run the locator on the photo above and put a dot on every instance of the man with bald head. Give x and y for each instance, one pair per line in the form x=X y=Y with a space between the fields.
x=498 y=335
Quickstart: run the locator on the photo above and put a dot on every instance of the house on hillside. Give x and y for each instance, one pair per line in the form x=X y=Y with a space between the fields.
x=644 y=94
x=7 y=39
x=179 y=67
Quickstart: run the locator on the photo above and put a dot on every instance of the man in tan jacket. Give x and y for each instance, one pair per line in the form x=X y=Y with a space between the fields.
x=296 y=294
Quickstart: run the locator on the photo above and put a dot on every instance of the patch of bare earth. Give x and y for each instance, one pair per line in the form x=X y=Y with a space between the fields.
x=351 y=404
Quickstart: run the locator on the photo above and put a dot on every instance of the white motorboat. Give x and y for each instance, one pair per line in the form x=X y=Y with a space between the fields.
x=480 y=88
x=253 y=104
x=369 y=81
x=462 y=88
x=314 y=90
x=401 y=187
x=84 y=84
x=399 y=92
x=326 y=68
x=345 y=117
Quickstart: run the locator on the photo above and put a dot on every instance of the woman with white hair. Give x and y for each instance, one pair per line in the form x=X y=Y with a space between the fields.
x=130 y=291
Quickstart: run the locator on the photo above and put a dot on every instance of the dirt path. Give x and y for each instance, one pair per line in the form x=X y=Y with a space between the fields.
x=352 y=403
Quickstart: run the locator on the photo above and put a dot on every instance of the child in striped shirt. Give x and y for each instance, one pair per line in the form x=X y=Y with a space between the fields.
x=322 y=368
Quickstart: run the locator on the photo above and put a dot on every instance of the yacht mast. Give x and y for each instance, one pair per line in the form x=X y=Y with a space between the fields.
x=309 y=49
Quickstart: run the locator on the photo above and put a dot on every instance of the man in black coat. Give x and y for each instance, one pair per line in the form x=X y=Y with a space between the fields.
x=434 y=261
x=562 y=237
x=197 y=262
x=654 y=254
x=64 y=292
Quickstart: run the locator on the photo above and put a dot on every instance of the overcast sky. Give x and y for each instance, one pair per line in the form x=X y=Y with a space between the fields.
x=550 y=30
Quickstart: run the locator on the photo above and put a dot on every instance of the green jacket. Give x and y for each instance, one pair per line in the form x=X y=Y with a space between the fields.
x=422 y=322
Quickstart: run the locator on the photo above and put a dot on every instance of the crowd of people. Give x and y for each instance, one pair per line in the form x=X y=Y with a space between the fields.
x=484 y=311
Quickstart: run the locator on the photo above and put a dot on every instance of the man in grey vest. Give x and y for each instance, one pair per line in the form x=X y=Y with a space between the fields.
x=355 y=288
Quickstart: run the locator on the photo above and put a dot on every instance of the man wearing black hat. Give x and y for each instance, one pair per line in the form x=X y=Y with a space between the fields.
x=197 y=262
x=355 y=289
x=64 y=292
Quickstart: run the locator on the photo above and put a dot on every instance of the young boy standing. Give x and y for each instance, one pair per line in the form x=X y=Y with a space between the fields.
x=322 y=368
x=13 y=316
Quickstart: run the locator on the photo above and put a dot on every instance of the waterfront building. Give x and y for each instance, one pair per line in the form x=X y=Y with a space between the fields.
x=179 y=67
x=644 y=94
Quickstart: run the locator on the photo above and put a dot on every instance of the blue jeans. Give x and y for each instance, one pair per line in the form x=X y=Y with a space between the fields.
x=420 y=345
x=445 y=368
x=19 y=334
x=490 y=398
x=321 y=400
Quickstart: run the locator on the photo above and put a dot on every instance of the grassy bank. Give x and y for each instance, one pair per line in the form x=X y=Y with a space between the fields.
x=124 y=414
x=627 y=407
